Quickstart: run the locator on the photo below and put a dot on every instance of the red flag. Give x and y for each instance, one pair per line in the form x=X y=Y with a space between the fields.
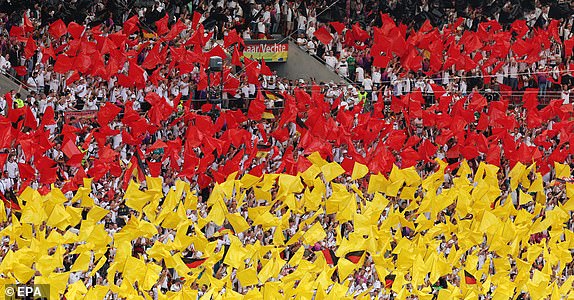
x=323 y=35
x=231 y=38
x=236 y=58
x=107 y=113
x=73 y=78
x=3 y=157
x=28 y=26
x=161 y=25
x=75 y=30
x=47 y=53
x=7 y=135
x=231 y=84
x=159 y=144
x=175 y=30
x=16 y=31
x=265 y=69
x=70 y=149
x=20 y=70
x=359 y=34
x=216 y=51
x=381 y=61
x=195 y=20
x=426 y=26
x=29 y=119
x=26 y=171
x=251 y=70
x=30 y=48
x=57 y=29
x=256 y=107
x=136 y=73
x=338 y=26
x=131 y=25
x=152 y=59
x=48 y=117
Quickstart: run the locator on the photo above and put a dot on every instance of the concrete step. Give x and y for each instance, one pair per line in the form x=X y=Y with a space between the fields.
x=7 y=84
x=301 y=65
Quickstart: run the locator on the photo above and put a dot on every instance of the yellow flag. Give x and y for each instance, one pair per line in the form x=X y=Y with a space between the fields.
x=377 y=183
x=59 y=217
x=135 y=198
x=100 y=264
x=247 y=277
x=316 y=159
x=237 y=222
x=97 y=292
x=249 y=180
x=536 y=185
x=76 y=290
x=96 y=213
x=516 y=175
x=359 y=171
x=22 y=272
x=82 y=263
x=523 y=198
x=236 y=253
x=314 y=234
x=562 y=170
x=331 y=171
x=151 y=276
x=346 y=268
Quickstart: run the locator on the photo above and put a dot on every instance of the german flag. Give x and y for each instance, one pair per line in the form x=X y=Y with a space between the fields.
x=469 y=278
x=330 y=256
x=389 y=280
x=226 y=226
x=193 y=263
x=355 y=256
x=10 y=202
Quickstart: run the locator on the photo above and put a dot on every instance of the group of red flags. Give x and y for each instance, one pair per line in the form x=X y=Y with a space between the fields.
x=471 y=126
x=462 y=50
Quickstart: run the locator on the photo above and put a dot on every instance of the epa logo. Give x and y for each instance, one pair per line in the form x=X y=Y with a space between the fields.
x=21 y=291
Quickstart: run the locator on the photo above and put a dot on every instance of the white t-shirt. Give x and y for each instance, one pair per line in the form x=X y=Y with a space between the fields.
x=31 y=83
x=261 y=27
x=360 y=73
x=566 y=97
x=302 y=22
x=368 y=84
x=12 y=168
x=376 y=77
x=40 y=80
x=343 y=68
x=311 y=47
x=513 y=71
x=331 y=62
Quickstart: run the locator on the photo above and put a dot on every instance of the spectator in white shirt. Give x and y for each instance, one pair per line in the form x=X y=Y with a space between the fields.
x=330 y=60
x=343 y=68
x=359 y=74
x=5 y=64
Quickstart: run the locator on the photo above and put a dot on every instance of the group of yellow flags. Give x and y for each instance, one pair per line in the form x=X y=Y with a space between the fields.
x=43 y=229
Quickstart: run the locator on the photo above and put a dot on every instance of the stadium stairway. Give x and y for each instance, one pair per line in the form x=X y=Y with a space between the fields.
x=301 y=65
x=7 y=84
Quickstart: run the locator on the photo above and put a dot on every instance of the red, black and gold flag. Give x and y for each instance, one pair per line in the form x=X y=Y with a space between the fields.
x=469 y=278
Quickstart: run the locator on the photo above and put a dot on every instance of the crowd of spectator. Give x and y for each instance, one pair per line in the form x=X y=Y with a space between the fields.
x=356 y=65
